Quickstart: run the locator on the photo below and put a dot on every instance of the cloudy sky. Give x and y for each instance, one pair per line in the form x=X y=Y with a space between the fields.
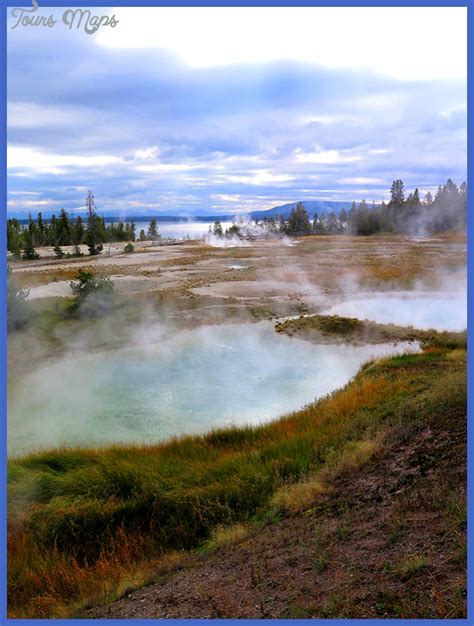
x=224 y=110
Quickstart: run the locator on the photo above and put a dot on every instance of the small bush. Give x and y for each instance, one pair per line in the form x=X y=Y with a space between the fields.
x=129 y=248
x=95 y=295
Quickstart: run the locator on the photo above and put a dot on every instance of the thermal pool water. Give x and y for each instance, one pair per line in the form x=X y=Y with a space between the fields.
x=197 y=380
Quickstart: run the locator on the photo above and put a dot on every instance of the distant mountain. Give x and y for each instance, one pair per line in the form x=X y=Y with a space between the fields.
x=311 y=206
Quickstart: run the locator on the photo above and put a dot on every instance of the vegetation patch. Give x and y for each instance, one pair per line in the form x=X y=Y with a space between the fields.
x=336 y=329
x=74 y=512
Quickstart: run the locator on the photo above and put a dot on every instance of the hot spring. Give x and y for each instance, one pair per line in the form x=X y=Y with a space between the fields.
x=195 y=381
x=423 y=310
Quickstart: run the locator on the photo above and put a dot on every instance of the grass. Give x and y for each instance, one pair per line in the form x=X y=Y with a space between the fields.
x=85 y=523
x=411 y=567
x=334 y=328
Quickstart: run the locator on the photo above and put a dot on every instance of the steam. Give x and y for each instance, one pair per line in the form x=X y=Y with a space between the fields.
x=143 y=374
x=188 y=382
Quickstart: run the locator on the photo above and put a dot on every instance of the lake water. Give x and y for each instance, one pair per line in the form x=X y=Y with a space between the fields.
x=191 y=383
x=180 y=230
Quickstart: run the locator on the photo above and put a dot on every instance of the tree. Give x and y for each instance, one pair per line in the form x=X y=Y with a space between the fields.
x=40 y=230
x=14 y=237
x=332 y=224
x=94 y=295
x=153 y=230
x=428 y=198
x=131 y=230
x=94 y=236
x=142 y=235
x=77 y=235
x=298 y=221
x=397 y=194
x=233 y=231
x=58 y=252
x=64 y=229
x=217 y=230
x=29 y=252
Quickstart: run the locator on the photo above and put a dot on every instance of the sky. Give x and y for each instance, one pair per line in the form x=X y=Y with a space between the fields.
x=217 y=111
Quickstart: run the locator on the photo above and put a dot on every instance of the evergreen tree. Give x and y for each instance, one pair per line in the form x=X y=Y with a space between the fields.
x=217 y=230
x=40 y=230
x=29 y=252
x=397 y=194
x=64 y=229
x=77 y=235
x=94 y=233
x=153 y=230
x=332 y=224
x=298 y=222
x=14 y=237
x=57 y=251
x=428 y=199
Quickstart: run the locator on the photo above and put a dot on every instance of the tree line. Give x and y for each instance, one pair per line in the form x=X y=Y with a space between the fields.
x=65 y=230
x=446 y=210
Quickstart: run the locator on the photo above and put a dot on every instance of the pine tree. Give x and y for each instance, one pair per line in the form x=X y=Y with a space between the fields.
x=428 y=201
x=29 y=252
x=217 y=230
x=57 y=251
x=94 y=235
x=397 y=194
x=14 y=237
x=64 y=229
x=77 y=235
x=298 y=222
x=153 y=230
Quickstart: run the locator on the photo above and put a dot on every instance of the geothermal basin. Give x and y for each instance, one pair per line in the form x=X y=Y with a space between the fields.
x=192 y=382
x=423 y=310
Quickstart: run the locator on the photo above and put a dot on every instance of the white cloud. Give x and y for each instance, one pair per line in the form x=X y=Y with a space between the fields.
x=403 y=42
x=361 y=181
x=27 y=204
x=226 y=197
x=30 y=115
x=325 y=157
x=258 y=177
x=28 y=158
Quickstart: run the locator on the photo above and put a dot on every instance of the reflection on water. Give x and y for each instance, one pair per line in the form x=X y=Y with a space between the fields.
x=201 y=379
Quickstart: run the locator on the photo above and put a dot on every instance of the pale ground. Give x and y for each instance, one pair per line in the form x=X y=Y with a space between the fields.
x=259 y=272
x=192 y=283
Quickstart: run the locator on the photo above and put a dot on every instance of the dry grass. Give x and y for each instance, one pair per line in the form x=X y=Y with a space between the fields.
x=304 y=494
x=298 y=496
x=227 y=535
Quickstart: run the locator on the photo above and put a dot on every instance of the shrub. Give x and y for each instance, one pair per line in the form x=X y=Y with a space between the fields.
x=129 y=248
x=95 y=295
